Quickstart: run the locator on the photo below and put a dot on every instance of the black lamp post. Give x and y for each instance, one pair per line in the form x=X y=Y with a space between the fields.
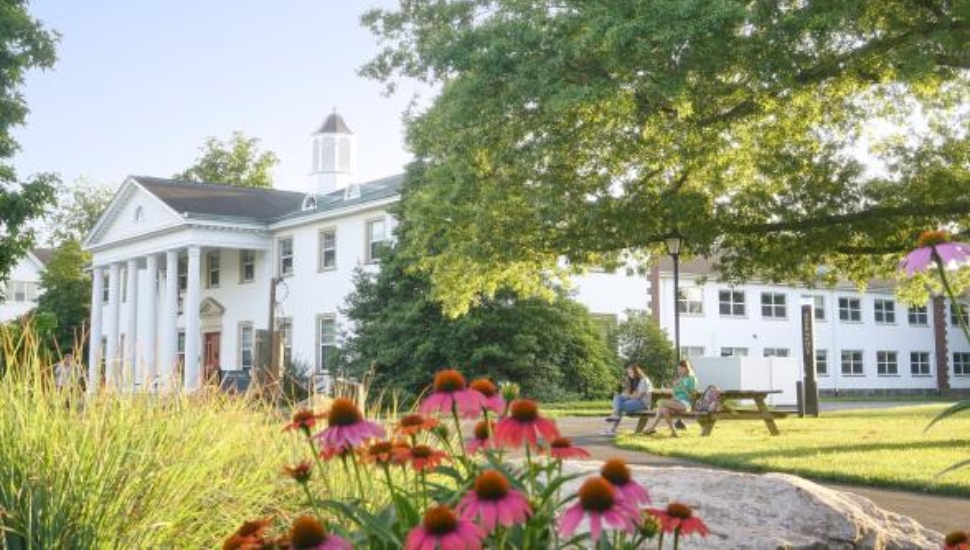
x=674 y=244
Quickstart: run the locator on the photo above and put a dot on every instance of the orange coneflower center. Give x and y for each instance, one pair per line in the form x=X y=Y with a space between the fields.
x=449 y=381
x=929 y=238
x=300 y=472
x=440 y=520
x=483 y=429
x=616 y=471
x=491 y=485
x=524 y=410
x=485 y=387
x=307 y=532
x=561 y=443
x=252 y=527
x=304 y=418
x=954 y=538
x=678 y=510
x=343 y=412
x=412 y=421
x=422 y=451
x=596 y=495
x=380 y=448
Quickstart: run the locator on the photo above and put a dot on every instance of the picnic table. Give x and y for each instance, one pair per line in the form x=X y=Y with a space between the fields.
x=706 y=420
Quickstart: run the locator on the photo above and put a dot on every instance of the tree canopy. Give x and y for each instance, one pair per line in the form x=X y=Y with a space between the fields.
x=237 y=161
x=553 y=350
x=642 y=342
x=78 y=209
x=24 y=44
x=66 y=294
x=585 y=131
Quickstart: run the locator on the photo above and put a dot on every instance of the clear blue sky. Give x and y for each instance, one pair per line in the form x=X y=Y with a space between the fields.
x=140 y=84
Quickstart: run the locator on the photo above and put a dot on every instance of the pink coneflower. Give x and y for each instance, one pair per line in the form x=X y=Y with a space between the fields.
x=249 y=535
x=562 y=448
x=299 y=473
x=599 y=500
x=442 y=528
x=523 y=424
x=619 y=475
x=383 y=453
x=938 y=242
x=493 y=400
x=423 y=458
x=346 y=426
x=494 y=501
x=414 y=424
x=679 y=519
x=450 y=390
x=482 y=437
x=307 y=533
x=304 y=420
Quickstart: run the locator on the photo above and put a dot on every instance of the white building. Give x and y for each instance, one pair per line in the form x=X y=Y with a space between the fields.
x=866 y=342
x=182 y=271
x=23 y=285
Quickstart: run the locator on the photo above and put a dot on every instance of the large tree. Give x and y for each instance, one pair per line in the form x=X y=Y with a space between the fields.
x=237 y=161
x=642 y=342
x=24 y=44
x=66 y=295
x=553 y=350
x=586 y=130
x=78 y=209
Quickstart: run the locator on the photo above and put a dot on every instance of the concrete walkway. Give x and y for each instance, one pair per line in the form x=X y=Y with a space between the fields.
x=943 y=514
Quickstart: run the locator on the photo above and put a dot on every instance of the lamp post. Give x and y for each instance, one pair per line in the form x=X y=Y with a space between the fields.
x=674 y=244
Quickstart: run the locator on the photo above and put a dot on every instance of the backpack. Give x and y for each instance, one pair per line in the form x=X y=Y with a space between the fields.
x=709 y=401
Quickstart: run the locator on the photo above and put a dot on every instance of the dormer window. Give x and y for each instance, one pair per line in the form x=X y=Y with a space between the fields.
x=139 y=214
x=309 y=203
x=352 y=192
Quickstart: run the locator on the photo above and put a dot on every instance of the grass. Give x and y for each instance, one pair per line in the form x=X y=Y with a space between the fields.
x=577 y=408
x=884 y=447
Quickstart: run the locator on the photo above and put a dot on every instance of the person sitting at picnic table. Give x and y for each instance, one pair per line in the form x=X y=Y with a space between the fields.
x=683 y=389
x=635 y=397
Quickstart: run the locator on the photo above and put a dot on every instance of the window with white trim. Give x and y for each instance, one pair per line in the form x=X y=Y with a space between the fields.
x=284 y=250
x=690 y=300
x=213 y=269
x=376 y=239
x=887 y=363
x=327 y=249
x=247 y=266
x=245 y=345
x=326 y=342
x=183 y=273
x=850 y=310
x=956 y=311
x=918 y=316
x=852 y=362
x=734 y=352
x=884 y=311
x=286 y=336
x=105 y=289
x=961 y=363
x=822 y=362
x=180 y=347
x=773 y=305
x=731 y=303
x=919 y=363
x=776 y=352
x=22 y=291
x=818 y=302
x=692 y=351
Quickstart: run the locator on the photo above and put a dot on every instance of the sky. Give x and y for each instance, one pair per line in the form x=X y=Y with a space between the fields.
x=140 y=85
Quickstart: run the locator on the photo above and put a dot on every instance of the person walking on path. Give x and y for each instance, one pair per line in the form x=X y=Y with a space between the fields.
x=65 y=373
x=683 y=390
x=635 y=397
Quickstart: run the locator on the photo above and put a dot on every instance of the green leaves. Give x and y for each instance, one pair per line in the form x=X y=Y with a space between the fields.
x=237 y=161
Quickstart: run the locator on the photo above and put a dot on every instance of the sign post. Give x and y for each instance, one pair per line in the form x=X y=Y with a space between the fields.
x=808 y=359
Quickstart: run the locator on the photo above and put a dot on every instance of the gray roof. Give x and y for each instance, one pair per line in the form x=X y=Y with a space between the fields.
x=43 y=254
x=334 y=125
x=370 y=191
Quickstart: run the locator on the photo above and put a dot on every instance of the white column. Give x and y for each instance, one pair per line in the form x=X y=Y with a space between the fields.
x=131 y=338
x=111 y=356
x=169 y=343
x=148 y=333
x=94 y=347
x=193 y=378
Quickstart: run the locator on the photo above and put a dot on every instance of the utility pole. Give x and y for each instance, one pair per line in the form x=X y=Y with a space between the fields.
x=269 y=373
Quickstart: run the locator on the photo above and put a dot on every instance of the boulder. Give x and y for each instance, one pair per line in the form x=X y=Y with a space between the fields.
x=769 y=511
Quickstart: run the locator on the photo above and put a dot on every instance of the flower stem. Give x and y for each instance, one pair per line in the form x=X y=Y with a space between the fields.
x=949 y=292
x=660 y=541
x=676 y=538
x=461 y=439
x=313 y=501
x=316 y=456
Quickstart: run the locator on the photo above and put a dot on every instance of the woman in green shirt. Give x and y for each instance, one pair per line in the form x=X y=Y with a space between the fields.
x=684 y=387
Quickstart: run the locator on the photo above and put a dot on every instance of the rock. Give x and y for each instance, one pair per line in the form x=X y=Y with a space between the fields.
x=772 y=511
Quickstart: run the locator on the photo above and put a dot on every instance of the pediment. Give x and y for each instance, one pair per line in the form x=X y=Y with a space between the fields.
x=210 y=307
x=132 y=212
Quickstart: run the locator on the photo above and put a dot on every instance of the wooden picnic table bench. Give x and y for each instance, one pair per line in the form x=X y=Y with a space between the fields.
x=706 y=420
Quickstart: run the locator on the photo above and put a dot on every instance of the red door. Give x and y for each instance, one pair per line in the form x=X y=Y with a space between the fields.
x=211 y=358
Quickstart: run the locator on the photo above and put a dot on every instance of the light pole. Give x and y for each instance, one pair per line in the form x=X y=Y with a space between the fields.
x=674 y=244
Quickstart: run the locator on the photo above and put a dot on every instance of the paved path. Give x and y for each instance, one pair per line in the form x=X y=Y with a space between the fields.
x=943 y=514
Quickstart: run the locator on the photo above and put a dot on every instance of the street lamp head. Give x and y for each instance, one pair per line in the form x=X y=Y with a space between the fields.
x=674 y=244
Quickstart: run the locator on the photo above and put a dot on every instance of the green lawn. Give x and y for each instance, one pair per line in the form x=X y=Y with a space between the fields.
x=884 y=447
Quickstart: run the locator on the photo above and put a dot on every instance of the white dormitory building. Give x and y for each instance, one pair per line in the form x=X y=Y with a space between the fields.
x=23 y=285
x=183 y=272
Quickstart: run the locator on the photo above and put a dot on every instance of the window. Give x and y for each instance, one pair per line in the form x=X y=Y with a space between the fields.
x=691 y=300
x=22 y=291
x=959 y=310
x=692 y=351
x=773 y=305
x=919 y=363
x=850 y=309
x=776 y=352
x=822 y=362
x=326 y=341
x=105 y=289
x=734 y=352
x=731 y=303
x=285 y=329
x=887 y=363
x=885 y=311
x=376 y=236
x=961 y=363
x=139 y=214
x=327 y=258
x=247 y=266
x=852 y=362
x=183 y=273
x=245 y=346
x=818 y=302
x=918 y=317
x=285 y=250
x=180 y=347
x=212 y=261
